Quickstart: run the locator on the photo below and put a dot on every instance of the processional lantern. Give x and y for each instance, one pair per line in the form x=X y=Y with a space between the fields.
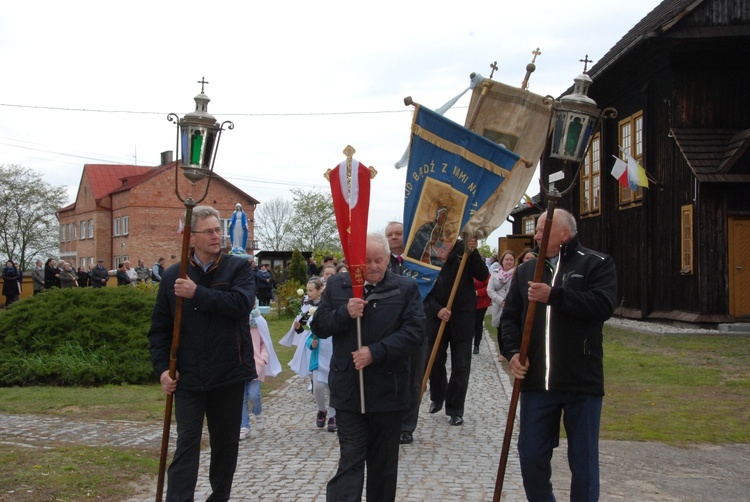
x=198 y=135
x=575 y=120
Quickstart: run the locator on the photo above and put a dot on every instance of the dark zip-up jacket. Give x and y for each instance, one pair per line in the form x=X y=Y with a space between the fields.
x=215 y=347
x=393 y=329
x=583 y=296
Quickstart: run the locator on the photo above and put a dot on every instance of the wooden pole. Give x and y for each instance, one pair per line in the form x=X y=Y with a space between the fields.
x=528 y=327
x=176 y=327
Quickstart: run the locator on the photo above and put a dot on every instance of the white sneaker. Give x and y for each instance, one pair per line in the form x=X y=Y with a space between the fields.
x=259 y=422
x=243 y=433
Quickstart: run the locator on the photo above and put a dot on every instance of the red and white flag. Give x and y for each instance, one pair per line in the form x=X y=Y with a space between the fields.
x=351 y=204
x=620 y=172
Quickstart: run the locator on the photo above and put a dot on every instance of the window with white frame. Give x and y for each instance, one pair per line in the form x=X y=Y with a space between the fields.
x=83 y=230
x=62 y=233
x=529 y=225
x=91 y=229
x=116 y=227
x=125 y=229
x=631 y=142
x=72 y=231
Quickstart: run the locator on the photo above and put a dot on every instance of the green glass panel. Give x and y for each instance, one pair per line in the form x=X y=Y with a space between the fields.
x=574 y=133
x=196 y=145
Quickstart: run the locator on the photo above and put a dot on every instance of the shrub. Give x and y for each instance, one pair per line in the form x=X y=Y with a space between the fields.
x=289 y=300
x=298 y=268
x=79 y=336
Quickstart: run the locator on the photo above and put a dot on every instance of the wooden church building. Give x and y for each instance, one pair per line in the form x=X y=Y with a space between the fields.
x=680 y=82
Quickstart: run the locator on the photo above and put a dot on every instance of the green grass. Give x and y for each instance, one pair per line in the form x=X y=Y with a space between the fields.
x=74 y=472
x=675 y=389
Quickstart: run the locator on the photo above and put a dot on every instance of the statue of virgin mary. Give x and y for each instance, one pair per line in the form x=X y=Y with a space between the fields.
x=238 y=230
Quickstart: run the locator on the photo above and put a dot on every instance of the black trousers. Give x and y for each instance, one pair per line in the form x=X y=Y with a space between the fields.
x=479 y=326
x=369 y=439
x=458 y=334
x=222 y=408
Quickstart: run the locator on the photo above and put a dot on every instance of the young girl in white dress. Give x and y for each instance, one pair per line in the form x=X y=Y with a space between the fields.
x=313 y=355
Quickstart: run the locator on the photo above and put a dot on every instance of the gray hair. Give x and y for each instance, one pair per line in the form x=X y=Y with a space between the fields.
x=391 y=223
x=566 y=219
x=379 y=239
x=203 y=212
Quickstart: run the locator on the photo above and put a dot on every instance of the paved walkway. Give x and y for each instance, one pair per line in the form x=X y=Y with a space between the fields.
x=292 y=459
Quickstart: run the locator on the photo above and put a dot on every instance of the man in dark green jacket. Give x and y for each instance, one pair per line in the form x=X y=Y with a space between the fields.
x=215 y=356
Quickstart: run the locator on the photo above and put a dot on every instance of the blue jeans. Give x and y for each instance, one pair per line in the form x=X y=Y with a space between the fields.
x=540 y=433
x=251 y=395
x=221 y=407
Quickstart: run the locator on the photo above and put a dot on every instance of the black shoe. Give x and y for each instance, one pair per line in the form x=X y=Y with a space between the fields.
x=456 y=420
x=406 y=438
x=476 y=349
x=436 y=406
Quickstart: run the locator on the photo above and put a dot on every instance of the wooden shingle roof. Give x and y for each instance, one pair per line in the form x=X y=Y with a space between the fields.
x=660 y=20
x=715 y=154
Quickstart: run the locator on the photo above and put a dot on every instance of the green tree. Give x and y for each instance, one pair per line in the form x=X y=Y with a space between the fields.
x=28 y=227
x=297 y=268
x=314 y=222
x=484 y=249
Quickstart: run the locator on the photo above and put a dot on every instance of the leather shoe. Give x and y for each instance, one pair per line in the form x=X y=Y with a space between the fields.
x=476 y=349
x=436 y=406
x=406 y=438
x=456 y=420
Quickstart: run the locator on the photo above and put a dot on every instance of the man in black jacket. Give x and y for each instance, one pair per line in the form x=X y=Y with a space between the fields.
x=564 y=374
x=392 y=323
x=459 y=329
x=215 y=356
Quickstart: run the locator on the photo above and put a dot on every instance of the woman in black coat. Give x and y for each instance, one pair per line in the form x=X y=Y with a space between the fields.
x=51 y=274
x=11 y=283
x=83 y=277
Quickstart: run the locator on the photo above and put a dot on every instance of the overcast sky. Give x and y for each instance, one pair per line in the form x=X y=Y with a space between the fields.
x=92 y=82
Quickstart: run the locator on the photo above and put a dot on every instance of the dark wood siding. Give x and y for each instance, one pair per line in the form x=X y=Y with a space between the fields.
x=696 y=75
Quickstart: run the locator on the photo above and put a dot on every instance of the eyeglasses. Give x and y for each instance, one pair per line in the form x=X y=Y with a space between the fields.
x=209 y=231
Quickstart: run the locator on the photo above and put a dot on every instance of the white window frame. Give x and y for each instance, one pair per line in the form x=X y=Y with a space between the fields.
x=125 y=229
x=116 y=227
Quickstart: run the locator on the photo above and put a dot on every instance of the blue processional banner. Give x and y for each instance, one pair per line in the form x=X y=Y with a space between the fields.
x=452 y=173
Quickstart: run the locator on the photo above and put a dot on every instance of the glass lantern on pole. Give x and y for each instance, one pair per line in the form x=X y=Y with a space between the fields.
x=198 y=136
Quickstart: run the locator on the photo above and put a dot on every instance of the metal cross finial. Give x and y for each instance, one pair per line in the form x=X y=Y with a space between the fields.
x=585 y=62
x=349 y=151
x=202 y=82
x=536 y=53
x=494 y=68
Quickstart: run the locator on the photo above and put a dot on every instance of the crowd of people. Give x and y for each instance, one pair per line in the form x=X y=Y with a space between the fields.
x=365 y=359
x=61 y=274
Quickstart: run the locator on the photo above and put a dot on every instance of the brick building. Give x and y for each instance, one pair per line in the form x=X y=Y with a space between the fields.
x=126 y=212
